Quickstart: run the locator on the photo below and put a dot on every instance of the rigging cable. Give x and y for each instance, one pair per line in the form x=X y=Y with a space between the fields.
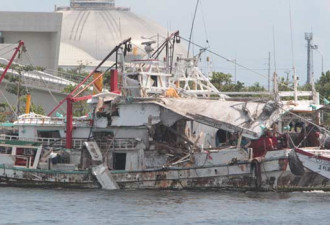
x=11 y=108
x=192 y=27
x=207 y=39
x=9 y=46
x=41 y=78
x=20 y=62
x=225 y=58
x=5 y=53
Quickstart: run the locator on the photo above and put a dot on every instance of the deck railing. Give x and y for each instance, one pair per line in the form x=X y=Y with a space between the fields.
x=52 y=121
x=111 y=144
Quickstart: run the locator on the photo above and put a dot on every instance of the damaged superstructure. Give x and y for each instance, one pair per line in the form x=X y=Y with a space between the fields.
x=159 y=129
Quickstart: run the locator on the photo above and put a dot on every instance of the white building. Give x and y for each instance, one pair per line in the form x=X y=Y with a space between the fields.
x=41 y=33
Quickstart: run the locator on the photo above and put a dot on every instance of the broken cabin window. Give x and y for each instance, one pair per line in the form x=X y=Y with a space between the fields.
x=119 y=161
x=221 y=137
x=155 y=81
x=49 y=134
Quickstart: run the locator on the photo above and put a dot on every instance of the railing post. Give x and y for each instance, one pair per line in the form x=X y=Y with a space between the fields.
x=69 y=126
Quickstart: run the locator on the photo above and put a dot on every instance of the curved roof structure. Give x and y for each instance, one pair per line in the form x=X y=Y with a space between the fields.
x=90 y=33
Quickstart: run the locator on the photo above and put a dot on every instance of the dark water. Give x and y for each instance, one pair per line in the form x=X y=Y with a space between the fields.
x=39 y=206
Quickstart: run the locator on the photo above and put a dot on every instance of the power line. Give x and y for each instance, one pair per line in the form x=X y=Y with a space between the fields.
x=240 y=65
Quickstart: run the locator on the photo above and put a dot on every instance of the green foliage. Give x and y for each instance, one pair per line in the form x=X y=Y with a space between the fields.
x=284 y=85
x=79 y=108
x=34 y=108
x=224 y=83
x=14 y=87
x=256 y=87
x=305 y=87
x=79 y=70
x=3 y=117
x=3 y=107
x=3 y=110
x=68 y=89
x=323 y=85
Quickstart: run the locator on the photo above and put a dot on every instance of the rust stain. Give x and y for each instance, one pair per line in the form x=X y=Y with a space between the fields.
x=283 y=164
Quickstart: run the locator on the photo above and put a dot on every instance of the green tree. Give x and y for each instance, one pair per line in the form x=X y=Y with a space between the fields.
x=223 y=82
x=323 y=85
x=256 y=87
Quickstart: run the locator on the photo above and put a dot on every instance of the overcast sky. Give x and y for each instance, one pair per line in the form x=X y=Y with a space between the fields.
x=241 y=29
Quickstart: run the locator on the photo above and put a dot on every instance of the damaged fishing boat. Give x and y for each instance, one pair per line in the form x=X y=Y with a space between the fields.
x=28 y=164
x=157 y=129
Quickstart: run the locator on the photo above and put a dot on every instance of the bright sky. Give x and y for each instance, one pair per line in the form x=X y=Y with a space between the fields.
x=238 y=29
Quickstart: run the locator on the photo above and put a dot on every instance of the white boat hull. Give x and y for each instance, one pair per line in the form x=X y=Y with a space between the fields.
x=317 y=161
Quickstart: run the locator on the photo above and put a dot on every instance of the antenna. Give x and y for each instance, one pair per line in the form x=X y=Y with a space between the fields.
x=276 y=94
x=274 y=49
x=295 y=81
x=269 y=58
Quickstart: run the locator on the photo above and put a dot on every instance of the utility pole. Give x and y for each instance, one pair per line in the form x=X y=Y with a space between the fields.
x=309 y=39
x=269 y=71
x=235 y=70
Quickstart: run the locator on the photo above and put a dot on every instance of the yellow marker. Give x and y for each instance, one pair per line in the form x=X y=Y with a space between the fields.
x=98 y=84
x=172 y=93
x=135 y=51
x=28 y=103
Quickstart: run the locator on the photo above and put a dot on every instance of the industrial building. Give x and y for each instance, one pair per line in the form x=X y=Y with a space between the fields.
x=82 y=33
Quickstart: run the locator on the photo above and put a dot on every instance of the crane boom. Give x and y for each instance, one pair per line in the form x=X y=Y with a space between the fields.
x=20 y=44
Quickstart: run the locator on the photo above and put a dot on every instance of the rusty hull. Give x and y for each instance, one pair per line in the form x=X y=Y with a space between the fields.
x=240 y=176
x=50 y=179
x=221 y=177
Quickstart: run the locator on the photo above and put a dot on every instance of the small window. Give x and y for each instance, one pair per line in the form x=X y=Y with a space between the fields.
x=5 y=150
x=119 y=161
x=49 y=134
